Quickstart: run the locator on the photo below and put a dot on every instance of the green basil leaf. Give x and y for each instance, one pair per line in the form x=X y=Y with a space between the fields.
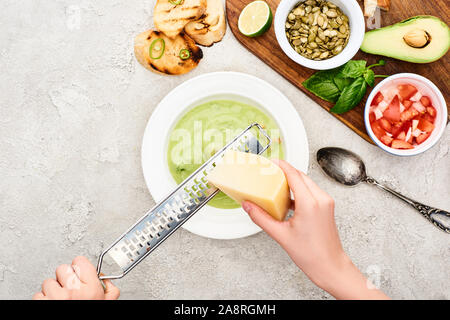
x=322 y=85
x=353 y=69
x=351 y=96
x=369 y=76
x=341 y=83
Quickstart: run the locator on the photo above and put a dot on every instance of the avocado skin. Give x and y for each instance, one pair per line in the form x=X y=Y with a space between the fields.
x=399 y=50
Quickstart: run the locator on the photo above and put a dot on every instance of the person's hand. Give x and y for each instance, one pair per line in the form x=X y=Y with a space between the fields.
x=78 y=281
x=312 y=240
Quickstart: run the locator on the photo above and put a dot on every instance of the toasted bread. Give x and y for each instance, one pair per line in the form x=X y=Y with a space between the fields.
x=370 y=6
x=384 y=4
x=171 y=19
x=211 y=27
x=169 y=62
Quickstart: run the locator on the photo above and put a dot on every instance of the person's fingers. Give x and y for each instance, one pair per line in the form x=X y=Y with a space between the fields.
x=324 y=199
x=111 y=291
x=39 y=296
x=315 y=189
x=274 y=228
x=53 y=290
x=65 y=275
x=295 y=181
x=85 y=271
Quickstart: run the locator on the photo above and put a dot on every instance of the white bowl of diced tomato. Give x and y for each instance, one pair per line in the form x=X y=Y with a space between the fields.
x=405 y=114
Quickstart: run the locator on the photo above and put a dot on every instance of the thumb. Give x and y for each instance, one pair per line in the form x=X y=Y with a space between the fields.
x=274 y=228
x=111 y=291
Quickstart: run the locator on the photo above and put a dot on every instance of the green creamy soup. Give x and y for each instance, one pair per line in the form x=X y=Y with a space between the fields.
x=205 y=129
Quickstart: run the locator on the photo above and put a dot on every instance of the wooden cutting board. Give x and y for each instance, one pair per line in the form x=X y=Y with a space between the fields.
x=267 y=49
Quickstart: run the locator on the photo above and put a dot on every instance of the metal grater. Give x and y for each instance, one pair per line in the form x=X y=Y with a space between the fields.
x=172 y=212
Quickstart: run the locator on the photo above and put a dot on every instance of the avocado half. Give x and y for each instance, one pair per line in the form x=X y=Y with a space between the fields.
x=420 y=39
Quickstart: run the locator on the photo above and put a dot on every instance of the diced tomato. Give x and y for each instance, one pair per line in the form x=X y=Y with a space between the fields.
x=378 y=130
x=386 y=125
x=427 y=117
x=402 y=128
x=407 y=103
x=408 y=114
x=422 y=137
x=392 y=113
x=431 y=111
x=386 y=140
x=400 y=144
x=377 y=99
x=425 y=125
x=396 y=129
x=401 y=136
x=372 y=117
x=406 y=91
x=425 y=101
x=410 y=140
x=419 y=107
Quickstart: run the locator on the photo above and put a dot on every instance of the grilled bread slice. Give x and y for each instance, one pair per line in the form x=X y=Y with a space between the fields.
x=171 y=18
x=370 y=6
x=165 y=56
x=211 y=27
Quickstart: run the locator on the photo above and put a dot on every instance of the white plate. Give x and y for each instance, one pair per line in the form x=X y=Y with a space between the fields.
x=213 y=222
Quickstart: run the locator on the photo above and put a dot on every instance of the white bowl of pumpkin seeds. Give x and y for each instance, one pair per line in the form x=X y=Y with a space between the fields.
x=320 y=34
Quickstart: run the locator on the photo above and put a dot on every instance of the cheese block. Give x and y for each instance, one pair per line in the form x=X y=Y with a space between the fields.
x=249 y=177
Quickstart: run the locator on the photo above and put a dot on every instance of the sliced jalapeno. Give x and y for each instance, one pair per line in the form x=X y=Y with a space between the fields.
x=184 y=54
x=158 y=46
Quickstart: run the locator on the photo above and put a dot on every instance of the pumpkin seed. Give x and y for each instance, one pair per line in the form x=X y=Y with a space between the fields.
x=334 y=24
x=297 y=11
x=322 y=35
x=324 y=55
x=331 y=13
x=297 y=25
x=337 y=50
x=320 y=21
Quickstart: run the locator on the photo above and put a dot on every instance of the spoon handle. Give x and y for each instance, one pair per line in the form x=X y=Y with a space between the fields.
x=439 y=218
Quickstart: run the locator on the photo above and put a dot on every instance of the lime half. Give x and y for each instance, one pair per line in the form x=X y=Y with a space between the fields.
x=255 y=19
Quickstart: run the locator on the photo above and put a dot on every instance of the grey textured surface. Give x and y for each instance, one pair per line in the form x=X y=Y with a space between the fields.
x=74 y=105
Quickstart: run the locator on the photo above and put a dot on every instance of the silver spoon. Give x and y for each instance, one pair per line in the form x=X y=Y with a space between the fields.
x=347 y=168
